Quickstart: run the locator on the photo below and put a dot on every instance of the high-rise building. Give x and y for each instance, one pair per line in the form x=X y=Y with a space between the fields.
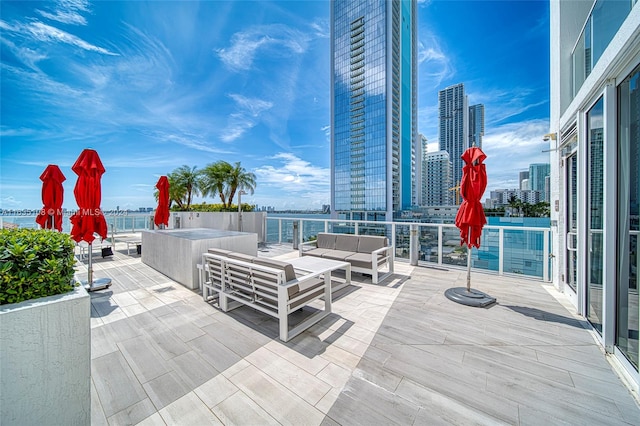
x=373 y=107
x=438 y=182
x=537 y=174
x=524 y=175
x=476 y=125
x=454 y=122
x=594 y=146
x=421 y=153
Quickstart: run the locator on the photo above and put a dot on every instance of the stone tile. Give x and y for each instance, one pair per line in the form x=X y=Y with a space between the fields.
x=188 y=410
x=236 y=368
x=334 y=375
x=192 y=369
x=301 y=355
x=214 y=352
x=97 y=413
x=153 y=420
x=133 y=414
x=165 y=389
x=239 y=409
x=305 y=385
x=116 y=384
x=166 y=342
x=281 y=403
x=144 y=359
x=216 y=390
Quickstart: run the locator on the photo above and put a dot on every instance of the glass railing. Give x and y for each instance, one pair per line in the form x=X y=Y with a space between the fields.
x=503 y=249
x=124 y=222
x=601 y=26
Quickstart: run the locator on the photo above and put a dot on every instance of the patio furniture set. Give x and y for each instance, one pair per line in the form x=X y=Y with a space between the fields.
x=280 y=288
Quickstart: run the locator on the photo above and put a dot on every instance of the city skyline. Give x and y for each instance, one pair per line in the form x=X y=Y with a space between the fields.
x=153 y=86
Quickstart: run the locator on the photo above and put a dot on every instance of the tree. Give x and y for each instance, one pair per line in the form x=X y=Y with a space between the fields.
x=183 y=184
x=515 y=204
x=214 y=180
x=240 y=179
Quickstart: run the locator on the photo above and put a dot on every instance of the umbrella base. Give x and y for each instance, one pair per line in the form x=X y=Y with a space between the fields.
x=470 y=298
x=98 y=284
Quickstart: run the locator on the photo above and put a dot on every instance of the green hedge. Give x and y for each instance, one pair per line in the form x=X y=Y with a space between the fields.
x=34 y=263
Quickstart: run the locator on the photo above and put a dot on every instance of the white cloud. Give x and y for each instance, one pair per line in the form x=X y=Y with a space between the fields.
x=249 y=111
x=275 y=40
x=295 y=177
x=434 y=65
x=68 y=12
x=511 y=148
x=253 y=106
x=46 y=33
x=321 y=28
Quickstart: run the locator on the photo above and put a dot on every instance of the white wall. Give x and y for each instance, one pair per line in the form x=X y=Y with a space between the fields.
x=45 y=361
x=228 y=221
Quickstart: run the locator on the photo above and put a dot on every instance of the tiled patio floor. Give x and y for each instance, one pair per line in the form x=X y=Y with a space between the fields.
x=394 y=353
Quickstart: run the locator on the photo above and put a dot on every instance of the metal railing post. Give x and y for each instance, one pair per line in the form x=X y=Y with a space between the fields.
x=279 y=231
x=501 y=251
x=545 y=256
x=413 y=244
x=440 y=230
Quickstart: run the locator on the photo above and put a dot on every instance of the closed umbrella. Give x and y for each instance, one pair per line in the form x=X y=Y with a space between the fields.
x=50 y=217
x=162 y=212
x=89 y=220
x=470 y=219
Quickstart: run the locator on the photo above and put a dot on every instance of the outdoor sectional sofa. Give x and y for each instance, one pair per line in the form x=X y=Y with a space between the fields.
x=265 y=284
x=366 y=253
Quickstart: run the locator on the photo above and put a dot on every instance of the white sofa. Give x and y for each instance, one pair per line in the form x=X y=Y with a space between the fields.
x=368 y=254
x=267 y=285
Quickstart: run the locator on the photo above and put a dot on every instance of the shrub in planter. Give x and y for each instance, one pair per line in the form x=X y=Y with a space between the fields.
x=34 y=263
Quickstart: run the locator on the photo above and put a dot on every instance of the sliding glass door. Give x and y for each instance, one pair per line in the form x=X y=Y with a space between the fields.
x=595 y=214
x=628 y=301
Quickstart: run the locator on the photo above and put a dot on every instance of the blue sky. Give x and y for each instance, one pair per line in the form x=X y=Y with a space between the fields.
x=155 y=85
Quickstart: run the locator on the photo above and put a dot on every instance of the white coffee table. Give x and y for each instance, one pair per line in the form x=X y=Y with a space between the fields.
x=316 y=265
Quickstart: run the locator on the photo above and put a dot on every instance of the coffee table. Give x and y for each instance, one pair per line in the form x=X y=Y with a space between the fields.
x=316 y=265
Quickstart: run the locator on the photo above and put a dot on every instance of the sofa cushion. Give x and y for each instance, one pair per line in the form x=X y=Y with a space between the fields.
x=219 y=252
x=312 y=289
x=318 y=252
x=289 y=272
x=363 y=260
x=240 y=256
x=371 y=243
x=346 y=242
x=338 y=254
x=326 y=241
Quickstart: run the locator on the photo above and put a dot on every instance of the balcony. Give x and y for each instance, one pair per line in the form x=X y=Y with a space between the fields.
x=394 y=353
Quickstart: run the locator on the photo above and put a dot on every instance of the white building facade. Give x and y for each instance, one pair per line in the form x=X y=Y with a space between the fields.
x=595 y=168
x=438 y=171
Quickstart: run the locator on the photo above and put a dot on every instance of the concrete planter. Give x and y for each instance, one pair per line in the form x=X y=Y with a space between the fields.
x=45 y=360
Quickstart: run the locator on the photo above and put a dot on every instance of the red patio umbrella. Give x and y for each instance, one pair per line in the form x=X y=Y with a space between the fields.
x=89 y=220
x=162 y=212
x=50 y=217
x=470 y=219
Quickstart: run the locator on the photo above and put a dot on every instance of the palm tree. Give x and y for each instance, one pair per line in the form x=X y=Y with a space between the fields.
x=515 y=203
x=213 y=180
x=183 y=184
x=239 y=179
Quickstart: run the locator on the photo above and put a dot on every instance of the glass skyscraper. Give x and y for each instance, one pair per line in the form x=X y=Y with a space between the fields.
x=373 y=107
x=476 y=125
x=454 y=126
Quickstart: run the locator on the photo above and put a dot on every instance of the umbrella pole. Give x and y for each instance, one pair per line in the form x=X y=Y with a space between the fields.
x=90 y=273
x=469 y=261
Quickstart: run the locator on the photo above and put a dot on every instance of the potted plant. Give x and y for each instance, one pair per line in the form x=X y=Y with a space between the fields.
x=45 y=331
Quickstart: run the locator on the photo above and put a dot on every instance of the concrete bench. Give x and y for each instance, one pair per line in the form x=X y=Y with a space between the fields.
x=267 y=285
x=367 y=254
